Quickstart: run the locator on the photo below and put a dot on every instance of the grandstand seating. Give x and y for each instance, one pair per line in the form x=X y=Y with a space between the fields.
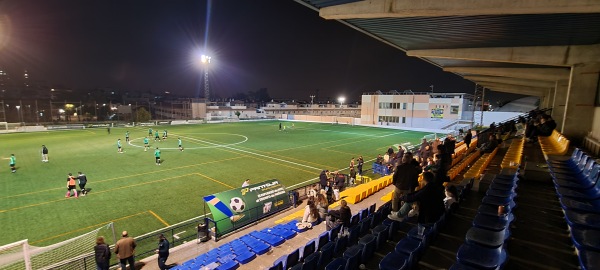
x=577 y=183
x=555 y=144
x=514 y=154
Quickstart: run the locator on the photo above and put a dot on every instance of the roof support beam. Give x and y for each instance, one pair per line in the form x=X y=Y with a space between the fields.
x=436 y=8
x=513 y=81
x=541 y=74
x=516 y=89
x=565 y=56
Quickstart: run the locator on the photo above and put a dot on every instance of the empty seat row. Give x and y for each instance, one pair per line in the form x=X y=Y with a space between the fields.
x=555 y=144
x=514 y=154
x=577 y=184
x=243 y=250
x=485 y=241
x=340 y=247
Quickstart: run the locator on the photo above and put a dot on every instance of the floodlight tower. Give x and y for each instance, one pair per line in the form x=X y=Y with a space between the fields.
x=341 y=100
x=205 y=60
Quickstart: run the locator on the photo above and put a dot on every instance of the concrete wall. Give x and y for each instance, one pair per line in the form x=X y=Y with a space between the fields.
x=596 y=124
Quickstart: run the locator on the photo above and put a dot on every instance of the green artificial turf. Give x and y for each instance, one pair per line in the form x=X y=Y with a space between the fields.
x=139 y=196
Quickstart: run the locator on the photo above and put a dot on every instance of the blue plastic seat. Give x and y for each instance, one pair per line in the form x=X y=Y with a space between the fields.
x=333 y=234
x=493 y=200
x=570 y=171
x=311 y=262
x=277 y=265
x=493 y=223
x=340 y=245
x=395 y=261
x=481 y=257
x=353 y=235
x=487 y=238
x=365 y=226
x=583 y=220
x=292 y=259
x=428 y=234
x=572 y=204
x=348 y=262
x=245 y=257
x=586 y=239
x=571 y=161
x=372 y=209
x=492 y=210
x=381 y=232
x=500 y=193
x=393 y=226
x=297 y=266
x=354 y=220
x=369 y=243
x=587 y=194
x=584 y=181
x=326 y=254
x=228 y=265
x=323 y=239
x=460 y=266
x=589 y=260
x=283 y=233
x=408 y=246
x=364 y=213
x=308 y=249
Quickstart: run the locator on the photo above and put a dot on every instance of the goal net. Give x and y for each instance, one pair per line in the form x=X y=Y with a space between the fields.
x=3 y=126
x=20 y=255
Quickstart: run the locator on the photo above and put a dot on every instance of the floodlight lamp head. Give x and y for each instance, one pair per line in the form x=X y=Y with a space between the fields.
x=205 y=59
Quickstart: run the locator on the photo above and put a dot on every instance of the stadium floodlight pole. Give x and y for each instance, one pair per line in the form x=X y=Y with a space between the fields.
x=205 y=60
x=19 y=113
x=341 y=100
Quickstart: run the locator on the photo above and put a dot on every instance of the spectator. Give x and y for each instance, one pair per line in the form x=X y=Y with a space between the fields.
x=352 y=177
x=489 y=146
x=340 y=180
x=468 y=138
x=390 y=150
x=405 y=180
x=450 y=144
x=400 y=153
x=547 y=126
x=102 y=254
x=342 y=216
x=443 y=166
x=310 y=217
x=379 y=159
x=422 y=150
x=125 y=249
x=351 y=164
x=312 y=193
x=431 y=202
x=451 y=199
x=323 y=180
x=359 y=166
x=163 y=252
x=322 y=206
x=434 y=145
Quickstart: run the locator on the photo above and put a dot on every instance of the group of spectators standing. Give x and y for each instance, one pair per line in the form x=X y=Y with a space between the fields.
x=538 y=124
x=125 y=250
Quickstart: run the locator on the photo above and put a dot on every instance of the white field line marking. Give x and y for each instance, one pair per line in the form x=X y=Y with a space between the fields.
x=176 y=236
x=252 y=153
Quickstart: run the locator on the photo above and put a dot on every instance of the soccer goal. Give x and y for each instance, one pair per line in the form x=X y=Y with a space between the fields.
x=4 y=126
x=74 y=253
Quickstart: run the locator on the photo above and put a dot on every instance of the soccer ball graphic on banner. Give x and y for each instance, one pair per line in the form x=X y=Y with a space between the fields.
x=237 y=204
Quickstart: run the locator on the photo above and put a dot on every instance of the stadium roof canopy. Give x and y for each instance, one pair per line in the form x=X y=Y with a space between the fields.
x=519 y=46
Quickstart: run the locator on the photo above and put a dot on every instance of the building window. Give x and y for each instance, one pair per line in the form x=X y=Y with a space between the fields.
x=453 y=109
x=403 y=120
x=404 y=106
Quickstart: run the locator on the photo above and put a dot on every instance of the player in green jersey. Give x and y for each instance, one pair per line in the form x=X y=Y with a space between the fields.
x=157 y=156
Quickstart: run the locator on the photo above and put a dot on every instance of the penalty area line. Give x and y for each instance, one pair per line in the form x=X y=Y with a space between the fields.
x=159 y=219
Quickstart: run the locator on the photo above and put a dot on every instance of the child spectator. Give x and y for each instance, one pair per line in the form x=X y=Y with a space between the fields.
x=451 y=197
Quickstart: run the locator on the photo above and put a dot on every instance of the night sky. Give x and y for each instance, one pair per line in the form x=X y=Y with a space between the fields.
x=150 y=45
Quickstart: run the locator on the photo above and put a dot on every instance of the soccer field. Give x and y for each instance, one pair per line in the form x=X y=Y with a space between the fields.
x=139 y=196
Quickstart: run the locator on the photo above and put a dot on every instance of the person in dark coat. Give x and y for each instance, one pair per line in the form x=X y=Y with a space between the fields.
x=546 y=127
x=405 y=180
x=323 y=180
x=430 y=199
x=450 y=144
x=163 y=252
x=468 y=138
x=102 y=254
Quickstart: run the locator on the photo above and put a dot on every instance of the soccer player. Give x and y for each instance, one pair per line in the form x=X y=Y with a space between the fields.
x=44 y=153
x=71 y=186
x=157 y=156
x=179 y=142
x=119 y=146
x=127 y=136
x=13 y=163
x=165 y=134
x=82 y=181
x=150 y=132
x=146 y=144
x=156 y=136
